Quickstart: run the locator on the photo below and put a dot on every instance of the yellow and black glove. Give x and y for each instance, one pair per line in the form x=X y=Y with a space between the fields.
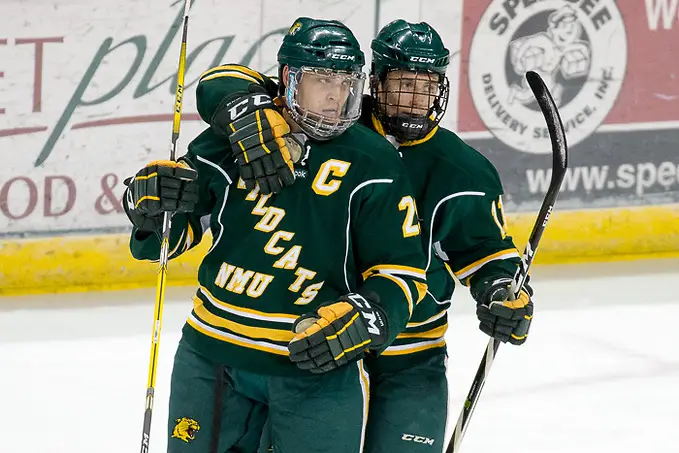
x=260 y=140
x=338 y=333
x=161 y=186
x=503 y=319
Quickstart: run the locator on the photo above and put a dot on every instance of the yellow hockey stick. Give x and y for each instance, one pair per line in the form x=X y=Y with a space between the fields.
x=165 y=244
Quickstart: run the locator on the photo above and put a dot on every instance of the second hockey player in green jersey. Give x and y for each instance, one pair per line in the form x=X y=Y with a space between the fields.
x=459 y=199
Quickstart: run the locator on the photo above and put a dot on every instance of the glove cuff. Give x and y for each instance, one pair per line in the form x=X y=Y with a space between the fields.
x=373 y=316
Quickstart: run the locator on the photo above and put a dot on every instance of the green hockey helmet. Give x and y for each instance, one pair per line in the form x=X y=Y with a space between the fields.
x=408 y=80
x=324 y=82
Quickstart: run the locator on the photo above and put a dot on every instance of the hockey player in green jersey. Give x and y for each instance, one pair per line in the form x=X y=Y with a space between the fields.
x=459 y=199
x=297 y=284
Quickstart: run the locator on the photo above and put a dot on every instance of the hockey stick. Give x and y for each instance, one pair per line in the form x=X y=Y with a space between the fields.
x=165 y=244
x=559 y=165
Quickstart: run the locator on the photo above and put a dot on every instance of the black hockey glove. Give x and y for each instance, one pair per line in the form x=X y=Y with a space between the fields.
x=501 y=318
x=161 y=186
x=257 y=133
x=337 y=333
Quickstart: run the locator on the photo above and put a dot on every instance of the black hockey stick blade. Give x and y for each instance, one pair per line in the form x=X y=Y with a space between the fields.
x=557 y=135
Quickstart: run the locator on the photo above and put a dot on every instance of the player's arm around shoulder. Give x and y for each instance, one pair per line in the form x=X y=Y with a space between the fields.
x=239 y=105
x=218 y=85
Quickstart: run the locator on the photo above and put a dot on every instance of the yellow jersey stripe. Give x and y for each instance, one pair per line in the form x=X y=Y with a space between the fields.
x=233 y=67
x=415 y=347
x=365 y=389
x=395 y=269
x=433 y=333
x=380 y=130
x=235 y=75
x=248 y=312
x=421 y=291
x=234 y=339
x=404 y=287
x=421 y=140
x=476 y=265
x=437 y=316
x=252 y=332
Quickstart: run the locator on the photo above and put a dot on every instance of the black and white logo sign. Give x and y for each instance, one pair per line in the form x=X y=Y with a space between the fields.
x=578 y=47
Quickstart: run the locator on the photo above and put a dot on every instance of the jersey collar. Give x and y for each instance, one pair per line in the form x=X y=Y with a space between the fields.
x=380 y=130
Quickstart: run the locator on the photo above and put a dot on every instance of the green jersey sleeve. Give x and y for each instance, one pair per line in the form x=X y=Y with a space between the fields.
x=388 y=249
x=476 y=243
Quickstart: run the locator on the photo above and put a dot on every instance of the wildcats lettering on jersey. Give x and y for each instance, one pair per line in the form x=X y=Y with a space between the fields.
x=279 y=244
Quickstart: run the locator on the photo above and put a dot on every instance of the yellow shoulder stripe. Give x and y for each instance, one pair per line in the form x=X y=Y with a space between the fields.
x=235 y=68
x=230 y=74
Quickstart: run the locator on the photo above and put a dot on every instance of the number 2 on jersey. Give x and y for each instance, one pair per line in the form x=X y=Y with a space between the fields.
x=411 y=226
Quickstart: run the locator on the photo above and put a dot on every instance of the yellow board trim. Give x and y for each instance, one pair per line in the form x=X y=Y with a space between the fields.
x=86 y=263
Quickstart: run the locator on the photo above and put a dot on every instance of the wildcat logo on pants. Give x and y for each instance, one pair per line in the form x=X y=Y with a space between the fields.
x=578 y=48
x=185 y=429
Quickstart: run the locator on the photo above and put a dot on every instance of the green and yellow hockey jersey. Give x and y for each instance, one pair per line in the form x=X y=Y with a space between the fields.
x=347 y=224
x=459 y=201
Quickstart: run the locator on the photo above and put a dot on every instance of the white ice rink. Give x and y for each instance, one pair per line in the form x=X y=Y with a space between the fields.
x=600 y=372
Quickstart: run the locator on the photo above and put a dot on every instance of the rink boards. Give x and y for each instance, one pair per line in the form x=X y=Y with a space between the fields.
x=71 y=133
x=94 y=262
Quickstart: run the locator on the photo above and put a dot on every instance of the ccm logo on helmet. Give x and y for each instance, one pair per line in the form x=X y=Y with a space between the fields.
x=412 y=125
x=422 y=59
x=336 y=56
